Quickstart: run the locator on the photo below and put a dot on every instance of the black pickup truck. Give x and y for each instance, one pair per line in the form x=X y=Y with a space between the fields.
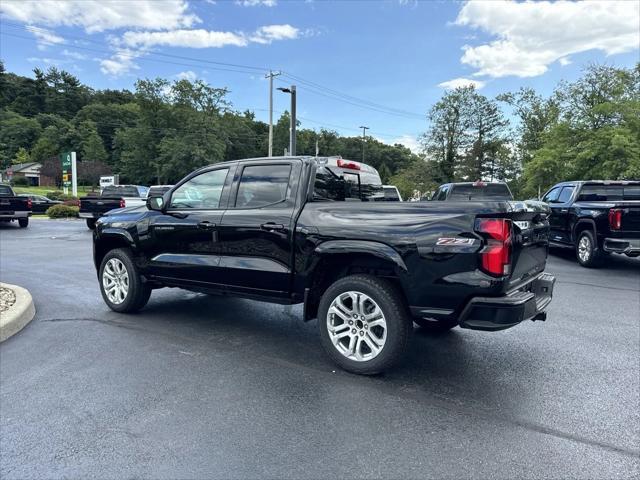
x=472 y=191
x=14 y=207
x=294 y=230
x=595 y=218
x=111 y=198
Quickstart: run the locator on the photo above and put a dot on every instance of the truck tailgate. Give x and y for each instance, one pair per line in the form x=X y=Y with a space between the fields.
x=530 y=241
x=98 y=205
x=10 y=205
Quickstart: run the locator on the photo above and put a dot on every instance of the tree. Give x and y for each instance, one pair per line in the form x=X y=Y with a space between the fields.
x=16 y=132
x=92 y=147
x=22 y=156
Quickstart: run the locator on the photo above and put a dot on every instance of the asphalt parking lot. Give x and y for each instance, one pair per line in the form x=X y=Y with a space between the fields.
x=197 y=386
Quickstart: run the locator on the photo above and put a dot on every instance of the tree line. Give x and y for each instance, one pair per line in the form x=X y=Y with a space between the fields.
x=157 y=133
x=163 y=130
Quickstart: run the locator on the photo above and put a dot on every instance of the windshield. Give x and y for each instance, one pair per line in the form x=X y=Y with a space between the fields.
x=491 y=191
x=604 y=193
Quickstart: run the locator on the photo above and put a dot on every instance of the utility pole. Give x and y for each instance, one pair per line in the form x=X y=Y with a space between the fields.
x=364 y=138
x=270 y=76
x=292 y=126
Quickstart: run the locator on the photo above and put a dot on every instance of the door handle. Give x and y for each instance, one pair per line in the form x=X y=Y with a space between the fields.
x=270 y=226
x=205 y=225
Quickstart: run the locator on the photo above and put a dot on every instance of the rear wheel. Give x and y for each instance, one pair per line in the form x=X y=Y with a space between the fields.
x=23 y=222
x=364 y=325
x=435 y=326
x=91 y=223
x=587 y=251
x=121 y=285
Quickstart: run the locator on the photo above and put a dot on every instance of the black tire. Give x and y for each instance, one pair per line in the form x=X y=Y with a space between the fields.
x=138 y=292
x=435 y=326
x=23 y=222
x=398 y=323
x=587 y=252
x=91 y=223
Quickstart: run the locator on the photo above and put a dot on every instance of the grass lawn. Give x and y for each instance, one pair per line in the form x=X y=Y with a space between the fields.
x=82 y=190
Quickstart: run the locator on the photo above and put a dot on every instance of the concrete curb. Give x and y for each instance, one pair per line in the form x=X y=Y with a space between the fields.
x=18 y=315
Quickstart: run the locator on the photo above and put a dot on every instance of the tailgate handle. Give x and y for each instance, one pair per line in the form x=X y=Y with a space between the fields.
x=206 y=225
x=270 y=226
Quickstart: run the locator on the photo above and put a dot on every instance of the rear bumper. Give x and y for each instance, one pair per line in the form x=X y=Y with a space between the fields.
x=498 y=313
x=89 y=215
x=24 y=214
x=628 y=246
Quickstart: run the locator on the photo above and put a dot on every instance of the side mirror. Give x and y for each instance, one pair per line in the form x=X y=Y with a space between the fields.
x=156 y=203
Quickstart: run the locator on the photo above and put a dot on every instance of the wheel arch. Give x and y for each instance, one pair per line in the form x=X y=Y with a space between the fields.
x=582 y=225
x=338 y=258
x=110 y=240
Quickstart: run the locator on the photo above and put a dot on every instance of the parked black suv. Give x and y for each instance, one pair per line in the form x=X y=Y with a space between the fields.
x=305 y=230
x=595 y=218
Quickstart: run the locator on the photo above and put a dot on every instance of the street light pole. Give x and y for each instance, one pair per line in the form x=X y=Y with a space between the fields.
x=364 y=138
x=292 y=125
x=270 y=75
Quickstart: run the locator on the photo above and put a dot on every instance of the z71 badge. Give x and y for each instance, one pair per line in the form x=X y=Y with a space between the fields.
x=455 y=241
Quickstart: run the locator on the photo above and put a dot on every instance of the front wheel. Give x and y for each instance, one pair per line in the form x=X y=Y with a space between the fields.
x=587 y=251
x=364 y=325
x=121 y=285
x=23 y=222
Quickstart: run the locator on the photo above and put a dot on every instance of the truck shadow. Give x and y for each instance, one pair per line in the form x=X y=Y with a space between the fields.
x=472 y=366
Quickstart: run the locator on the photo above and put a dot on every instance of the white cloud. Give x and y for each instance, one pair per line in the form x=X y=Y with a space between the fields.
x=184 y=38
x=201 y=38
x=257 y=3
x=188 y=75
x=532 y=35
x=120 y=63
x=269 y=33
x=461 y=82
x=98 y=15
x=44 y=37
x=76 y=55
x=564 y=61
x=410 y=142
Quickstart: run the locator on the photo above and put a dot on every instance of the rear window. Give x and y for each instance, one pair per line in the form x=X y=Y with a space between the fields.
x=5 y=191
x=604 y=193
x=337 y=185
x=120 y=190
x=491 y=191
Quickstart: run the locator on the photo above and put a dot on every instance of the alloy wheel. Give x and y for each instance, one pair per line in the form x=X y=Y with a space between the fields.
x=584 y=248
x=357 y=326
x=115 y=281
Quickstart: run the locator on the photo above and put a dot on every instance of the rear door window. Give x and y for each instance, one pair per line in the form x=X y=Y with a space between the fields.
x=262 y=185
x=565 y=194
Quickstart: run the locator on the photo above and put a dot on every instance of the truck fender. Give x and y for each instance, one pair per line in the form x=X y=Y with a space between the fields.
x=376 y=249
x=116 y=233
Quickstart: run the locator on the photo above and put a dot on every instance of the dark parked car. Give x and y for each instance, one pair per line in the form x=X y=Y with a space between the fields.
x=305 y=230
x=14 y=207
x=595 y=218
x=472 y=191
x=112 y=197
x=40 y=203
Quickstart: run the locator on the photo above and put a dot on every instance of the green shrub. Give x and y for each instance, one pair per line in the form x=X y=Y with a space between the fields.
x=21 y=182
x=62 y=211
x=58 y=195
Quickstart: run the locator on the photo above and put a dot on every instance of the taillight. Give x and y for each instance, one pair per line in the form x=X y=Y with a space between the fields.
x=122 y=203
x=347 y=164
x=29 y=204
x=495 y=257
x=615 y=219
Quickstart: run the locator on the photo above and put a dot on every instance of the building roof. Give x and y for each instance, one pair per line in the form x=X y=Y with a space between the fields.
x=22 y=166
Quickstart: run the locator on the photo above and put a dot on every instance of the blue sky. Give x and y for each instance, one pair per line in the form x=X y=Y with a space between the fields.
x=399 y=55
